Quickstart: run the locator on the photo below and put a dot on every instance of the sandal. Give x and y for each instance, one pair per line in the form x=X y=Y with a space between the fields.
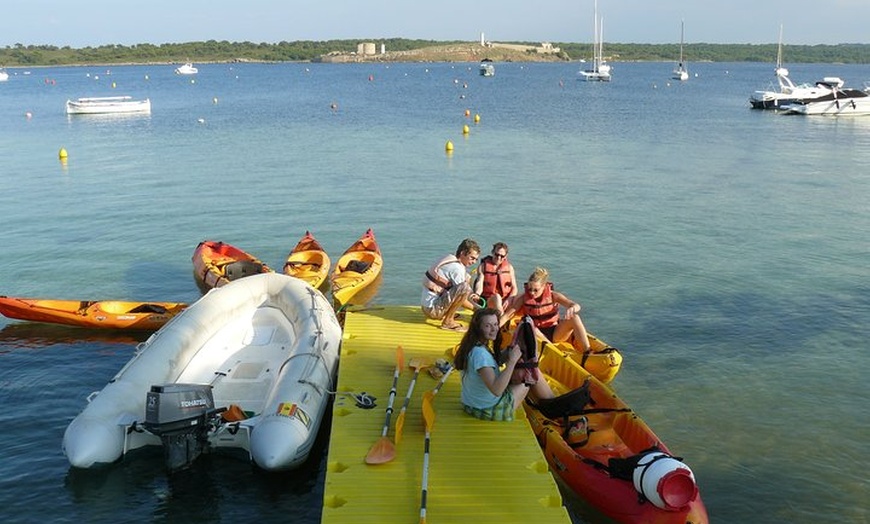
x=459 y=328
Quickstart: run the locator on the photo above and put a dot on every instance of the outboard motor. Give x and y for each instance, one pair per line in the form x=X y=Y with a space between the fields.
x=180 y=414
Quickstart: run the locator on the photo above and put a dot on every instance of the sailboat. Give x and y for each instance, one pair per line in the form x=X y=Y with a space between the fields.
x=600 y=71
x=788 y=92
x=680 y=72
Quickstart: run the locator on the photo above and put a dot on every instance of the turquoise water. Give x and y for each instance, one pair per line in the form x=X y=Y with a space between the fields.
x=723 y=250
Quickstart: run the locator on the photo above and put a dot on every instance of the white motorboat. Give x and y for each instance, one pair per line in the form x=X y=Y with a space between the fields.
x=249 y=367
x=600 y=71
x=788 y=92
x=487 y=68
x=838 y=102
x=186 y=69
x=680 y=72
x=4 y=76
x=107 y=104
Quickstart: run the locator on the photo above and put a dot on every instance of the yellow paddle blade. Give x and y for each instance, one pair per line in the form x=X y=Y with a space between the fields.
x=382 y=451
x=418 y=363
x=400 y=357
x=400 y=423
x=429 y=410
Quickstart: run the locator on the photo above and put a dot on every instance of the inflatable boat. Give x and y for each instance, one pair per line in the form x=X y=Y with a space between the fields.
x=248 y=367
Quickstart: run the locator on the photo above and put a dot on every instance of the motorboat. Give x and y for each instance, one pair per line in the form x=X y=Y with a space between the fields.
x=487 y=68
x=186 y=69
x=107 y=105
x=788 y=92
x=837 y=102
x=247 y=370
x=680 y=72
x=4 y=76
x=600 y=71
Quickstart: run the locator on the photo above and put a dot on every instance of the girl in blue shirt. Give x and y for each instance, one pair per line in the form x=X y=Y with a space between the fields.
x=486 y=390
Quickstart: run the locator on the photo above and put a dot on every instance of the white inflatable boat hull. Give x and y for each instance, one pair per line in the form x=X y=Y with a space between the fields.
x=267 y=343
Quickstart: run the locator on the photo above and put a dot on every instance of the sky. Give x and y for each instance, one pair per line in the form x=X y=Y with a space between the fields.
x=100 y=22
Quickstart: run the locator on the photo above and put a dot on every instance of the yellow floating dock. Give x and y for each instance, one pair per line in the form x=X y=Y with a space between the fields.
x=479 y=471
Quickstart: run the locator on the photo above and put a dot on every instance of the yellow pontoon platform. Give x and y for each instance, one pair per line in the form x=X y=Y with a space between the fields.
x=479 y=471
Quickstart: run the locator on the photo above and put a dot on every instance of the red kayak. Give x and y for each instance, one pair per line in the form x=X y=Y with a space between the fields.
x=216 y=264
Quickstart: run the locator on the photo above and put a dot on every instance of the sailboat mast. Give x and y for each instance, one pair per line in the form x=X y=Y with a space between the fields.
x=682 y=23
x=595 y=51
x=779 y=50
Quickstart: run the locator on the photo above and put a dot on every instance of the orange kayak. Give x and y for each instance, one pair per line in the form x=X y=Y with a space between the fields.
x=99 y=314
x=216 y=264
x=357 y=271
x=606 y=453
x=308 y=261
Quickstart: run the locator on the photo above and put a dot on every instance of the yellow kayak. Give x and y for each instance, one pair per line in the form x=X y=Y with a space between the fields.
x=356 y=270
x=308 y=261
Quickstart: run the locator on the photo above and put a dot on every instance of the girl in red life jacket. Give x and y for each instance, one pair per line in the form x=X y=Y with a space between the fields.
x=496 y=281
x=541 y=302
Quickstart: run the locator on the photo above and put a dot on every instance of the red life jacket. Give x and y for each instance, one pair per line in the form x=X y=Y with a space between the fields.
x=433 y=280
x=544 y=311
x=496 y=278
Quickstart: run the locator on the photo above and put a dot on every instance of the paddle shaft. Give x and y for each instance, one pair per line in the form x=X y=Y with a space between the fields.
x=390 y=402
x=425 y=483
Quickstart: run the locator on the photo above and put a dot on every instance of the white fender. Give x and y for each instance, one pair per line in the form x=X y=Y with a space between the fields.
x=665 y=481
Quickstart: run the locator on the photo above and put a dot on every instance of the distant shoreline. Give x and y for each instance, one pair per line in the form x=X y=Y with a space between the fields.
x=405 y=50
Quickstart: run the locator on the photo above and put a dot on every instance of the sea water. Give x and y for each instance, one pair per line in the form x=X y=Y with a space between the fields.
x=724 y=251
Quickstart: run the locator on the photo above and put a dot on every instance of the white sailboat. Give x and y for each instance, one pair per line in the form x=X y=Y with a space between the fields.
x=600 y=71
x=680 y=72
x=788 y=92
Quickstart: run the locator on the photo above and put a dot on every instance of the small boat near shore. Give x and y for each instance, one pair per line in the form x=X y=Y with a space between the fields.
x=186 y=69
x=487 y=68
x=93 y=314
x=107 y=105
x=247 y=370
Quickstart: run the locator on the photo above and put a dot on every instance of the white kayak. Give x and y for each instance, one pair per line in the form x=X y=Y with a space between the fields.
x=265 y=346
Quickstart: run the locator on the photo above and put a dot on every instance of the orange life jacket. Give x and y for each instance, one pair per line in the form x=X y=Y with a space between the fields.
x=433 y=280
x=543 y=310
x=496 y=277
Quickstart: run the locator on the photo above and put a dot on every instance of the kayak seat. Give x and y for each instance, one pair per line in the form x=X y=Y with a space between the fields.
x=148 y=308
x=242 y=268
x=357 y=266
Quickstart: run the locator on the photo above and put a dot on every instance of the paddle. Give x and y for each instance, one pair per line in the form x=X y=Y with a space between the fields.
x=416 y=364
x=429 y=420
x=383 y=450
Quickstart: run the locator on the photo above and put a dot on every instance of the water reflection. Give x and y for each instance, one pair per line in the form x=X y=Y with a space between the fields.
x=39 y=335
